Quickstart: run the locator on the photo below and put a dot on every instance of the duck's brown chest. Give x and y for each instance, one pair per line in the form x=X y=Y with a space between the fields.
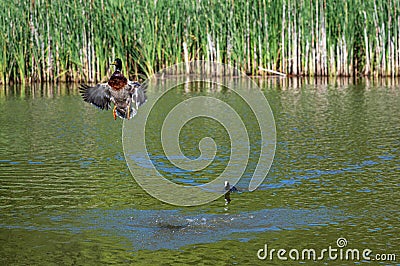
x=117 y=81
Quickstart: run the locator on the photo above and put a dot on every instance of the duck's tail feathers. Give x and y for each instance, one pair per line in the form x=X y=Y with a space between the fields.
x=122 y=113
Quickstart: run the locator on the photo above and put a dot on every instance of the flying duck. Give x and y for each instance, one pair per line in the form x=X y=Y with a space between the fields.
x=126 y=95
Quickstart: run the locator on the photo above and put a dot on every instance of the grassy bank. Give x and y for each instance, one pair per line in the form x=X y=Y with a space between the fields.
x=75 y=40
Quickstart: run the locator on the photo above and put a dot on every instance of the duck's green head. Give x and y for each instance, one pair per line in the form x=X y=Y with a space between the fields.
x=118 y=64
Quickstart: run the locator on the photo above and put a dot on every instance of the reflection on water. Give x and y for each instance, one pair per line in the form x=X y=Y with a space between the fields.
x=66 y=194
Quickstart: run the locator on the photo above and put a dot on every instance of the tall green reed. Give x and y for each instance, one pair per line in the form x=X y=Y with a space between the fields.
x=75 y=40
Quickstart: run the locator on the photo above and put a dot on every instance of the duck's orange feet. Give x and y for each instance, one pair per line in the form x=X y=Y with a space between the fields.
x=129 y=113
x=115 y=112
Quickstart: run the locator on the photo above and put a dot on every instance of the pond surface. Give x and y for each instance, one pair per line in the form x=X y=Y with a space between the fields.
x=68 y=197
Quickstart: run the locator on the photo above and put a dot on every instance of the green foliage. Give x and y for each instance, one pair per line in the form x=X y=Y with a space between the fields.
x=75 y=40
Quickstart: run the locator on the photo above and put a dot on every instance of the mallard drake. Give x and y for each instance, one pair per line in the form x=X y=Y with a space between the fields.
x=118 y=90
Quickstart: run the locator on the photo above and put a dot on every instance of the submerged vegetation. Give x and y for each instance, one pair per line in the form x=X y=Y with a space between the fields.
x=75 y=40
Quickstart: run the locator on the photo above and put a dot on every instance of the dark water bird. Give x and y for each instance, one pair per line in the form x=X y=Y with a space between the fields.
x=126 y=95
x=229 y=189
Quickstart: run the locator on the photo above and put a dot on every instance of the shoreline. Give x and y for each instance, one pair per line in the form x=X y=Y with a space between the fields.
x=354 y=79
x=289 y=81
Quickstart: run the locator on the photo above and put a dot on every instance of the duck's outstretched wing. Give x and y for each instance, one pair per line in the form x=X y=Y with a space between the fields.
x=138 y=93
x=98 y=95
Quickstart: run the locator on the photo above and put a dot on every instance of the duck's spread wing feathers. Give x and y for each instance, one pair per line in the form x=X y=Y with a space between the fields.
x=138 y=93
x=98 y=95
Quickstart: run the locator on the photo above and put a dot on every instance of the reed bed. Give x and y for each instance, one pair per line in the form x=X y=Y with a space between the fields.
x=75 y=40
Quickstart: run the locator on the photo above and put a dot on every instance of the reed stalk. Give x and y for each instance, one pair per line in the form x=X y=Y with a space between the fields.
x=75 y=40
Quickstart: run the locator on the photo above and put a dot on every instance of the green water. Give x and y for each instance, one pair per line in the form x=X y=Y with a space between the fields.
x=67 y=196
